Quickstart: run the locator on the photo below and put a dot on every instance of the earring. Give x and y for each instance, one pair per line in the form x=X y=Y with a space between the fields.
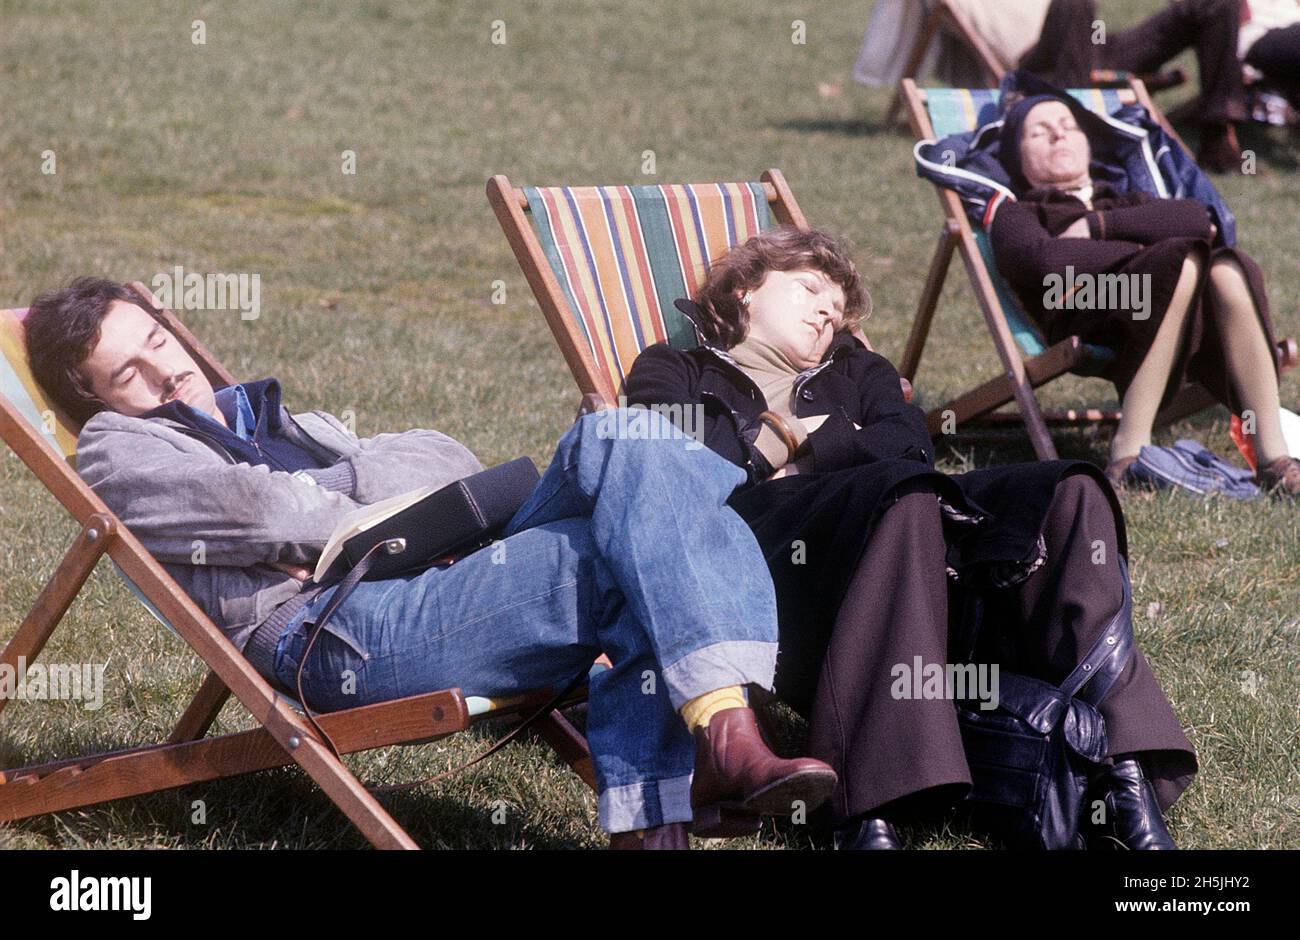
x=744 y=301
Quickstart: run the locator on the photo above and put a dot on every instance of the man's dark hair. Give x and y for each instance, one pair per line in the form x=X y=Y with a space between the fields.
x=62 y=328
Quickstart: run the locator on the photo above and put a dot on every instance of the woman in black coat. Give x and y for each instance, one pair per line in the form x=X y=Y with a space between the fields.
x=871 y=549
x=1185 y=309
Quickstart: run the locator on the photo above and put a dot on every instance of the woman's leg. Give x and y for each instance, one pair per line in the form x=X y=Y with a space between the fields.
x=1246 y=351
x=1142 y=398
x=894 y=614
x=1058 y=613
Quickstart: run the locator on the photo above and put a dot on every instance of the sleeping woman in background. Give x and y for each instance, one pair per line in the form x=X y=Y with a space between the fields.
x=871 y=549
x=1203 y=314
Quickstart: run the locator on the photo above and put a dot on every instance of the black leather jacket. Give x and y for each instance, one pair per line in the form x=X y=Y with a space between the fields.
x=851 y=384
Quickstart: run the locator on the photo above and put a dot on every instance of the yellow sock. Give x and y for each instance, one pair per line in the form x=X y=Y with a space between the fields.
x=697 y=712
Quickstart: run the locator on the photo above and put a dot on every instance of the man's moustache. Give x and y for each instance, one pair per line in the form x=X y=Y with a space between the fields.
x=170 y=391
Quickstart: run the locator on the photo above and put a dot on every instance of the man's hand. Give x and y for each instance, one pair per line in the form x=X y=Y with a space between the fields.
x=1078 y=229
x=298 y=571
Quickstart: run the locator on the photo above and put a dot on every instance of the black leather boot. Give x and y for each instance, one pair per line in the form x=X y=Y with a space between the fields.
x=866 y=835
x=1133 y=819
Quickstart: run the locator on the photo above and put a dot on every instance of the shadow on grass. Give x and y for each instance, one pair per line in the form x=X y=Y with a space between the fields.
x=281 y=807
x=1275 y=148
x=847 y=127
x=277 y=809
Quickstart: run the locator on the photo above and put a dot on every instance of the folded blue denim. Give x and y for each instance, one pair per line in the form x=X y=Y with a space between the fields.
x=626 y=547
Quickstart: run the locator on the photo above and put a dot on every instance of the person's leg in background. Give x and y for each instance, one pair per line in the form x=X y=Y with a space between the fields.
x=1055 y=616
x=1210 y=27
x=1065 y=53
x=1253 y=372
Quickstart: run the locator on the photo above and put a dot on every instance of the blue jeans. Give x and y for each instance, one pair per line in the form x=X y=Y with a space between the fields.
x=626 y=547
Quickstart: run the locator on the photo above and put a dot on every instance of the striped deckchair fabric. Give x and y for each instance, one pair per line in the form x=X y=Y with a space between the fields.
x=623 y=254
x=19 y=387
x=958 y=110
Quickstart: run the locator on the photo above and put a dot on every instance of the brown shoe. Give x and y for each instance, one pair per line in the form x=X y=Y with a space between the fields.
x=1281 y=477
x=667 y=836
x=737 y=779
x=1117 y=471
x=1220 y=152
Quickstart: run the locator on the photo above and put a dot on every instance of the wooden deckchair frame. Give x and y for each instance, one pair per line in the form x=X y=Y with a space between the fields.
x=188 y=756
x=1020 y=376
x=946 y=16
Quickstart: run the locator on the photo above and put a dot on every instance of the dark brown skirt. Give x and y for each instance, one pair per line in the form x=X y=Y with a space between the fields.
x=1200 y=359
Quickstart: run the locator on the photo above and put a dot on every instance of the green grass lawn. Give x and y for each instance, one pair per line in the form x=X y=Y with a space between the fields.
x=376 y=298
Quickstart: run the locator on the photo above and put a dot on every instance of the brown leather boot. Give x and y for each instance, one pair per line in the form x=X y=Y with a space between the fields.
x=667 y=836
x=1281 y=477
x=737 y=779
x=1220 y=152
x=1117 y=472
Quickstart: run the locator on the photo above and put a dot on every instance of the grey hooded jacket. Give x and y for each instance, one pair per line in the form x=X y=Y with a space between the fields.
x=218 y=525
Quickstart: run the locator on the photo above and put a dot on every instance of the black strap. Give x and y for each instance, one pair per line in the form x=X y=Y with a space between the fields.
x=1105 y=660
x=345 y=587
x=1109 y=654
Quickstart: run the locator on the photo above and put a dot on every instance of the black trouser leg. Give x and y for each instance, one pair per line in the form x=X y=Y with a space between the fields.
x=1208 y=26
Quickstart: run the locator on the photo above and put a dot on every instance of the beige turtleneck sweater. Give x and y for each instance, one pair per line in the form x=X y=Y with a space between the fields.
x=774 y=374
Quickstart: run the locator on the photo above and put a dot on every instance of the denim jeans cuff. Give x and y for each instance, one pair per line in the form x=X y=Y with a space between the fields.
x=645 y=804
x=731 y=662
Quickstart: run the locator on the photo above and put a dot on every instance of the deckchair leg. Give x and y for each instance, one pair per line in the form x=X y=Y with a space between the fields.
x=993 y=394
x=78 y=562
x=929 y=299
x=556 y=731
x=1013 y=367
x=202 y=710
x=1035 y=425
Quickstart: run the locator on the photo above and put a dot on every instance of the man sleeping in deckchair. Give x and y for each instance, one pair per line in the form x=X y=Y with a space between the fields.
x=625 y=546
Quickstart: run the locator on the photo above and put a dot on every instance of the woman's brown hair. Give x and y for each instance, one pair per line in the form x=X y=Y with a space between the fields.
x=725 y=321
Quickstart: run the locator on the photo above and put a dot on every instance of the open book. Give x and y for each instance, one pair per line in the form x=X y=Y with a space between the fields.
x=429 y=522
